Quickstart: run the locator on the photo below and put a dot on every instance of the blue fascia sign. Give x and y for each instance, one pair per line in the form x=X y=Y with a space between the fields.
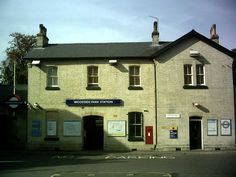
x=94 y=102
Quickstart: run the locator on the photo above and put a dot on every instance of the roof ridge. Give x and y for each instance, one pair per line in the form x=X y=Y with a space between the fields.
x=96 y=43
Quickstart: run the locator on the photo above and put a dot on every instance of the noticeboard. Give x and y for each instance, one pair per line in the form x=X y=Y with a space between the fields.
x=36 y=132
x=225 y=127
x=212 y=129
x=116 y=128
x=72 y=128
x=51 y=128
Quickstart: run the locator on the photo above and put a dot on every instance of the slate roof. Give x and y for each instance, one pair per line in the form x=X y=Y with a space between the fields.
x=115 y=50
x=194 y=34
x=95 y=50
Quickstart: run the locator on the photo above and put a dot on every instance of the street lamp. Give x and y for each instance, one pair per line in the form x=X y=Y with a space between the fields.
x=14 y=77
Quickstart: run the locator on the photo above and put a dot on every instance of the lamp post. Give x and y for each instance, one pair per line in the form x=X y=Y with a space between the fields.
x=14 y=82
x=14 y=77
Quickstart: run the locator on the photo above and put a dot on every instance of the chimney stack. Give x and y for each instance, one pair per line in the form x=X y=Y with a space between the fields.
x=42 y=39
x=155 y=34
x=214 y=35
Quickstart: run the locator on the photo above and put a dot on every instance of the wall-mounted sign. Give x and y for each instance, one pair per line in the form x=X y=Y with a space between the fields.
x=173 y=132
x=94 y=102
x=173 y=115
x=72 y=128
x=225 y=126
x=116 y=128
x=212 y=127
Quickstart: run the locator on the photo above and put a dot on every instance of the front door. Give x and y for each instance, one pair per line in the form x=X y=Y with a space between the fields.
x=195 y=133
x=93 y=133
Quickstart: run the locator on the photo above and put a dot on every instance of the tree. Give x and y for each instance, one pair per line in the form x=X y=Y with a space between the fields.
x=19 y=46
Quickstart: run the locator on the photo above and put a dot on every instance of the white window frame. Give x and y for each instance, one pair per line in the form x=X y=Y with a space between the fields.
x=200 y=74
x=52 y=77
x=92 y=76
x=188 y=74
x=134 y=116
x=135 y=75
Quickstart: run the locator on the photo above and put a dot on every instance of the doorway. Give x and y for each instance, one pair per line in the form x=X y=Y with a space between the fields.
x=195 y=133
x=93 y=133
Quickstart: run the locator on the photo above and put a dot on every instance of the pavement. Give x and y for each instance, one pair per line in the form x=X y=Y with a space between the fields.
x=112 y=153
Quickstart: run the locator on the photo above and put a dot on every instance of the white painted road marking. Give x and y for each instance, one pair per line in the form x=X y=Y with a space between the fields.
x=119 y=157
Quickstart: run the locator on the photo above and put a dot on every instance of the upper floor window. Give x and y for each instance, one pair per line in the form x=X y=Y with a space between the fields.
x=200 y=74
x=92 y=75
x=135 y=120
x=52 y=76
x=93 y=78
x=134 y=76
x=188 y=75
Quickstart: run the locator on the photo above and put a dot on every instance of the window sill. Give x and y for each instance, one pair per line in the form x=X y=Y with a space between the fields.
x=135 y=139
x=93 y=87
x=52 y=88
x=51 y=139
x=135 y=88
x=195 y=87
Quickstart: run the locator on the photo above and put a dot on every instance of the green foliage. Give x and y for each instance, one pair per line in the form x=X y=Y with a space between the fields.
x=19 y=46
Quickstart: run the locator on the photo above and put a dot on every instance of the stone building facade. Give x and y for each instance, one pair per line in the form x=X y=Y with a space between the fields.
x=131 y=96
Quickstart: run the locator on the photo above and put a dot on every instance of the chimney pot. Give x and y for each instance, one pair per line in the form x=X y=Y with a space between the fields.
x=213 y=35
x=155 y=34
x=42 y=39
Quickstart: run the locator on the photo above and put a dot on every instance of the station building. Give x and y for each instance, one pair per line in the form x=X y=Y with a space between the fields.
x=131 y=96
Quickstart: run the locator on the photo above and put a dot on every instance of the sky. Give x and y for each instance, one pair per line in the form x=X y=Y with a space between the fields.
x=92 y=21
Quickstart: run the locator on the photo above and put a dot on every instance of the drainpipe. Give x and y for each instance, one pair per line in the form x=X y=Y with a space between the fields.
x=155 y=89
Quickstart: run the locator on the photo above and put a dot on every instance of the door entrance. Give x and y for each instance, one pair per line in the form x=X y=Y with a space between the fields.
x=93 y=133
x=195 y=133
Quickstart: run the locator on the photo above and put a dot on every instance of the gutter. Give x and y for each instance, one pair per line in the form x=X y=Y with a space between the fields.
x=155 y=90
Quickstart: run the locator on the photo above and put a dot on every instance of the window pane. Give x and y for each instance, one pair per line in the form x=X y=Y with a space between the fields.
x=199 y=69
x=132 y=131
x=90 y=80
x=131 y=118
x=187 y=80
x=200 y=79
x=49 y=81
x=131 y=80
x=187 y=69
x=187 y=74
x=131 y=70
x=138 y=130
x=95 y=80
x=54 y=71
x=200 y=74
x=89 y=71
x=95 y=70
x=136 y=70
x=49 y=71
x=138 y=119
x=54 y=81
x=136 y=80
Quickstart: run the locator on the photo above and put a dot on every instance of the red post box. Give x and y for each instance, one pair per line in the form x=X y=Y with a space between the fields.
x=149 y=134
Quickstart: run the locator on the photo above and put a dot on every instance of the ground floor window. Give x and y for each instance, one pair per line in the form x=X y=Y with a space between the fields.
x=135 y=120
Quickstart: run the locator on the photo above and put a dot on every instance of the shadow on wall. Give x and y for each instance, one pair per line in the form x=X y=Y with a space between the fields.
x=13 y=132
x=56 y=130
